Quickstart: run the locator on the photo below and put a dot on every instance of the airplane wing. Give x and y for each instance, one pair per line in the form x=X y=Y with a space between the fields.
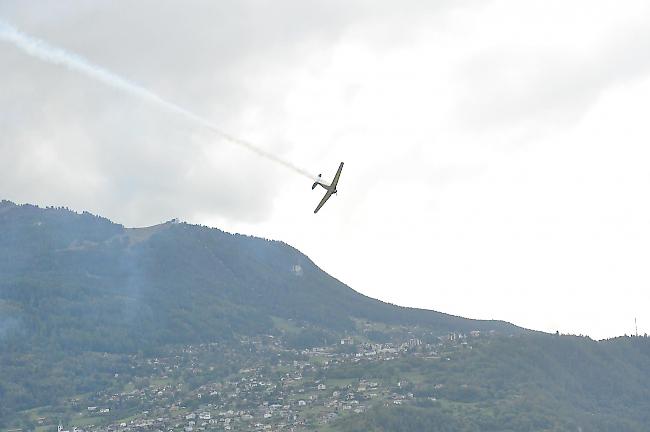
x=336 y=177
x=323 y=201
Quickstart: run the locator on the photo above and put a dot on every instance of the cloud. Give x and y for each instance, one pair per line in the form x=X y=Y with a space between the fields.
x=67 y=138
x=546 y=69
x=68 y=141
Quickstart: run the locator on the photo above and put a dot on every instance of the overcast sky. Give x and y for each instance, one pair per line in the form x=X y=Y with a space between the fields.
x=496 y=151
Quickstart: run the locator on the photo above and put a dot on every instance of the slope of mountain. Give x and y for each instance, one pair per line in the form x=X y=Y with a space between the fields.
x=75 y=284
x=533 y=382
x=82 y=282
x=86 y=304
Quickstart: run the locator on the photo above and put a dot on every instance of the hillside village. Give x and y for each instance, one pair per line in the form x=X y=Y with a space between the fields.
x=276 y=389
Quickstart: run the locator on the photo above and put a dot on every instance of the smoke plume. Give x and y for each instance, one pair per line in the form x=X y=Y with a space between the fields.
x=43 y=51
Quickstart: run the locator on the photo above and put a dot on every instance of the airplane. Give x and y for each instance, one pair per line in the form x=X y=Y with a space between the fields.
x=330 y=188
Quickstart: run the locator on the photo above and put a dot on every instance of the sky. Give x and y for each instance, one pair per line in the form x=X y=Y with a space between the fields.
x=496 y=151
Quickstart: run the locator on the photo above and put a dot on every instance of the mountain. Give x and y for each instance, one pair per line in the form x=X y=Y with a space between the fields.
x=73 y=284
x=171 y=283
x=145 y=320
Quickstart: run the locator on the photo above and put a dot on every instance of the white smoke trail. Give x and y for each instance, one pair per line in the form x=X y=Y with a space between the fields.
x=51 y=54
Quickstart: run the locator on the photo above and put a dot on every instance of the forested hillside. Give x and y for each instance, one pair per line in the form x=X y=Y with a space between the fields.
x=82 y=282
x=73 y=284
x=88 y=307
x=525 y=383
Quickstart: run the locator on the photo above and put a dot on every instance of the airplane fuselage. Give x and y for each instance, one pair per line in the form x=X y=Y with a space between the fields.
x=326 y=186
x=329 y=187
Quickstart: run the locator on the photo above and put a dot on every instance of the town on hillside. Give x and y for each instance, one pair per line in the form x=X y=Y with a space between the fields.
x=258 y=384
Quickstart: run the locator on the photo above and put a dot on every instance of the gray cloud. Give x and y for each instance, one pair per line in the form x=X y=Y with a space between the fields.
x=510 y=86
x=67 y=140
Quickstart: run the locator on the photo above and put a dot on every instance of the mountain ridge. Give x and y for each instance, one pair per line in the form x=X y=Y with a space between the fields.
x=79 y=285
x=240 y=270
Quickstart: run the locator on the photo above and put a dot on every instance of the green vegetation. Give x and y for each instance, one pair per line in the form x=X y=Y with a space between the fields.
x=83 y=299
x=525 y=383
x=72 y=285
